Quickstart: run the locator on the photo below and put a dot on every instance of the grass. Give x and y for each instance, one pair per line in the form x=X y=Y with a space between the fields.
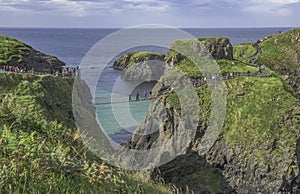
x=280 y=53
x=242 y=52
x=228 y=66
x=42 y=152
x=260 y=112
x=210 y=181
x=191 y=70
x=134 y=57
x=11 y=49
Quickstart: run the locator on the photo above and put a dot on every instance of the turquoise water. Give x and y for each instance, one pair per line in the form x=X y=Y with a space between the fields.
x=71 y=45
x=120 y=114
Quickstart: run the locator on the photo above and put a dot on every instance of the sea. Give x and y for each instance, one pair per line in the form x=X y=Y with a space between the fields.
x=116 y=116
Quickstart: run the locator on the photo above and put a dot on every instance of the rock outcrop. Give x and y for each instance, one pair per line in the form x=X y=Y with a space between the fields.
x=18 y=54
x=254 y=153
x=141 y=66
x=219 y=48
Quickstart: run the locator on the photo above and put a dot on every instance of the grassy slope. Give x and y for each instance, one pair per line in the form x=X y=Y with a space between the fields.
x=281 y=54
x=11 y=48
x=261 y=111
x=41 y=151
x=242 y=52
x=261 y=116
x=191 y=70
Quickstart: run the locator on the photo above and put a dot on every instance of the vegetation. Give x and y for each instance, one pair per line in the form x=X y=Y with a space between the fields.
x=40 y=149
x=263 y=120
x=242 y=52
x=11 y=49
x=17 y=54
x=280 y=53
x=130 y=58
x=191 y=70
x=230 y=66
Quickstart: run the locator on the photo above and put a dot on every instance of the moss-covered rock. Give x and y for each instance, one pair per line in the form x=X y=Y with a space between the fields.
x=130 y=58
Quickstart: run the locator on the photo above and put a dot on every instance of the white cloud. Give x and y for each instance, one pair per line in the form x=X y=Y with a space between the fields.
x=170 y=12
x=272 y=7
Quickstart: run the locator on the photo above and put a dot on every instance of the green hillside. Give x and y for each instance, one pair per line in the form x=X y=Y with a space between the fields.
x=41 y=150
x=281 y=54
x=18 y=54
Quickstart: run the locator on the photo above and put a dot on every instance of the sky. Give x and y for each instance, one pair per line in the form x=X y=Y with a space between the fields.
x=126 y=13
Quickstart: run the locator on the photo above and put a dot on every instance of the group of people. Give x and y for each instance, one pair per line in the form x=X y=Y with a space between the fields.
x=65 y=71
x=217 y=77
x=16 y=69
x=138 y=97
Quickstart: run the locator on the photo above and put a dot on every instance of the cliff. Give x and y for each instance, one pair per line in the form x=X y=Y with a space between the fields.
x=257 y=150
x=40 y=148
x=140 y=66
x=18 y=54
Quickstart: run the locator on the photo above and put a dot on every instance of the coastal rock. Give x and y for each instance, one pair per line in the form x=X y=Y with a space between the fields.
x=219 y=48
x=140 y=66
x=229 y=166
x=147 y=70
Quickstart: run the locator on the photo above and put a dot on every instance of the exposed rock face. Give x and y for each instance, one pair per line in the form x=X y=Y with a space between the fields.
x=17 y=54
x=219 y=48
x=140 y=66
x=144 y=71
x=225 y=168
x=39 y=61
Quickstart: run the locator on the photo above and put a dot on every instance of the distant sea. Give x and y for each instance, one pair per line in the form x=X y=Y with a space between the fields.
x=71 y=45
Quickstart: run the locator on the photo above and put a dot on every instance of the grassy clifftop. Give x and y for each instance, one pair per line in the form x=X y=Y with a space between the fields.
x=40 y=148
x=281 y=54
x=131 y=58
x=18 y=54
x=11 y=49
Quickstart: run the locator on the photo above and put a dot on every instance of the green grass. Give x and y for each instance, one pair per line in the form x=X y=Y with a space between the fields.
x=42 y=152
x=137 y=55
x=11 y=49
x=258 y=110
x=212 y=39
x=205 y=178
x=228 y=66
x=191 y=70
x=242 y=52
x=134 y=57
x=281 y=54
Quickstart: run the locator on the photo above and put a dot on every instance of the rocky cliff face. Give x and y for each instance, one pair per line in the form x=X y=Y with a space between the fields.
x=17 y=54
x=256 y=151
x=219 y=48
x=140 y=66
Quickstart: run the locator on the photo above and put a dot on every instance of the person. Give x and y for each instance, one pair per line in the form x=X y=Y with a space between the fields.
x=137 y=96
x=258 y=67
x=130 y=98
x=248 y=73
x=145 y=94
